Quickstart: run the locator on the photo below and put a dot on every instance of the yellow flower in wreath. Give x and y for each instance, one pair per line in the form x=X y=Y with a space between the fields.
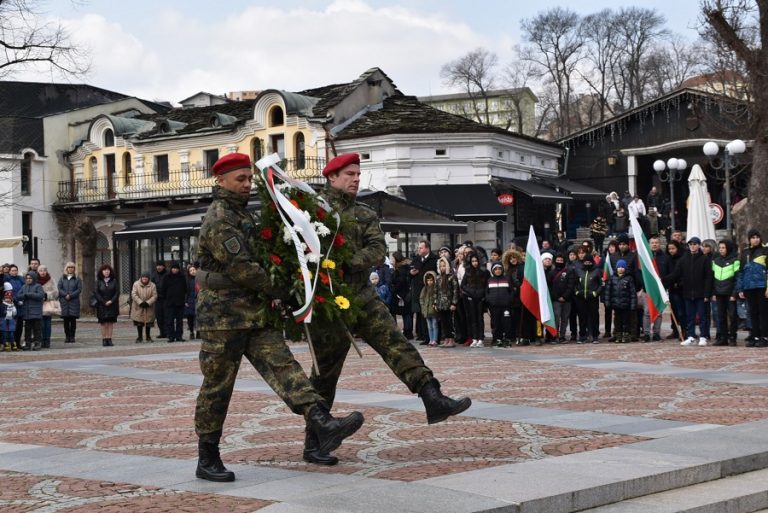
x=342 y=302
x=328 y=264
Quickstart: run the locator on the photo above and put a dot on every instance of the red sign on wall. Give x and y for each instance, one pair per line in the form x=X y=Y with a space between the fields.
x=506 y=199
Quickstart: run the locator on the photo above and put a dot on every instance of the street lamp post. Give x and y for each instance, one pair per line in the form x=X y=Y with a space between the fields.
x=730 y=160
x=671 y=171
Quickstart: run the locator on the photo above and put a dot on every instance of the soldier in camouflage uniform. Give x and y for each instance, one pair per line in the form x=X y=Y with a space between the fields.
x=360 y=226
x=227 y=307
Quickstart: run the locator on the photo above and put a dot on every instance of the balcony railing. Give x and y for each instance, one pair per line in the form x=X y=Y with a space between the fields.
x=173 y=184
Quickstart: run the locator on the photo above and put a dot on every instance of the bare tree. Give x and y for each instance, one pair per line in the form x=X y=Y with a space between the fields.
x=555 y=45
x=601 y=56
x=27 y=41
x=741 y=26
x=474 y=73
x=670 y=63
x=638 y=28
x=517 y=75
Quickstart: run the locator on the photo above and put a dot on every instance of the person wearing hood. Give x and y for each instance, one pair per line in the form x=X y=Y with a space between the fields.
x=499 y=293
x=7 y=320
x=473 y=287
x=70 y=287
x=173 y=290
x=428 y=304
x=16 y=282
x=725 y=268
x=675 y=252
x=562 y=282
x=622 y=296
x=30 y=302
x=143 y=299
x=751 y=285
x=589 y=286
x=447 y=302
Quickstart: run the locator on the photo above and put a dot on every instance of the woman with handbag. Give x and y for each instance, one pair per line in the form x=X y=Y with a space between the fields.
x=69 y=289
x=143 y=298
x=51 y=304
x=107 y=293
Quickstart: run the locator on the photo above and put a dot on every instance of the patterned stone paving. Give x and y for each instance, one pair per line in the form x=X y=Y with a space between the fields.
x=82 y=409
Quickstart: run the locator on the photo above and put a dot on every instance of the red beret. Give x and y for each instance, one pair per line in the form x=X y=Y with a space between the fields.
x=341 y=161
x=231 y=162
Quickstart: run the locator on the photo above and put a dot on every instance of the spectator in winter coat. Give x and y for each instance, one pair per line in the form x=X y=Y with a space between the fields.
x=157 y=276
x=173 y=289
x=381 y=288
x=622 y=297
x=70 y=287
x=447 y=302
x=107 y=293
x=499 y=294
x=16 y=282
x=425 y=260
x=143 y=299
x=630 y=257
x=562 y=283
x=473 y=289
x=694 y=272
x=428 y=304
x=598 y=230
x=7 y=322
x=401 y=288
x=751 y=285
x=587 y=299
x=725 y=268
x=613 y=247
x=675 y=252
x=30 y=303
x=51 y=304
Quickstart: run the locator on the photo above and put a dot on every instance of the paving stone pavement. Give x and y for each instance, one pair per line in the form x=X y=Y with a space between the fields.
x=86 y=428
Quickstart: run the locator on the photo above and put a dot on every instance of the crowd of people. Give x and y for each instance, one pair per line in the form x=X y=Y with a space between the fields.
x=33 y=298
x=713 y=288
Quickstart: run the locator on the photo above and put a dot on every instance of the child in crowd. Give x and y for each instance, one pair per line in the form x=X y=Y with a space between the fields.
x=499 y=294
x=8 y=322
x=622 y=297
x=381 y=288
x=428 y=302
x=447 y=302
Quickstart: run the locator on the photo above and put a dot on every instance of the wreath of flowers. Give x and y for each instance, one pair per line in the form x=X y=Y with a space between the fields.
x=276 y=251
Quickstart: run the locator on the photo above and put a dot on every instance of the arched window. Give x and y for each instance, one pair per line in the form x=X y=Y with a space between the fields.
x=298 y=149
x=26 y=174
x=257 y=149
x=93 y=171
x=276 y=116
x=127 y=171
x=109 y=138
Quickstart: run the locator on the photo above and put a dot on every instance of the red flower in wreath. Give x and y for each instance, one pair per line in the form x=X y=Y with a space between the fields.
x=266 y=233
x=294 y=203
x=276 y=259
x=324 y=278
x=320 y=214
x=339 y=240
x=319 y=298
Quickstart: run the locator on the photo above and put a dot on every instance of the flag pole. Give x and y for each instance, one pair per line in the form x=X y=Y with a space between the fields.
x=677 y=324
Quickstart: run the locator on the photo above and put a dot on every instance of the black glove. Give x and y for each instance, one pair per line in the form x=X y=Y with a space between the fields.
x=144 y=304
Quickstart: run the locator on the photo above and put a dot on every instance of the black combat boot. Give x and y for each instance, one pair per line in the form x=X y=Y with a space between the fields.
x=438 y=406
x=312 y=454
x=209 y=464
x=329 y=431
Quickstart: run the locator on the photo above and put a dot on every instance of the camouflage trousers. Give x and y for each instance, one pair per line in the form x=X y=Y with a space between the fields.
x=380 y=331
x=220 y=356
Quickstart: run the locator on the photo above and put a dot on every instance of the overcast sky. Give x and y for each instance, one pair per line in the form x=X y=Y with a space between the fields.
x=171 y=49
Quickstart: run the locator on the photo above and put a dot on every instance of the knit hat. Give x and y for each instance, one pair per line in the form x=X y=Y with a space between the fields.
x=752 y=232
x=623 y=238
x=588 y=259
x=7 y=287
x=373 y=274
x=546 y=254
x=621 y=263
x=496 y=266
x=445 y=248
x=175 y=265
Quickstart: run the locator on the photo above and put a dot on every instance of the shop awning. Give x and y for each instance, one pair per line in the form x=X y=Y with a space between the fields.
x=535 y=190
x=469 y=202
x=576 y=190
x=400 y=215
x=11 y=242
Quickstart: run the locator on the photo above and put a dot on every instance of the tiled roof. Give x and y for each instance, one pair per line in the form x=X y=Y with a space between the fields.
x=37 y=99
x=17 y=133
x=197 y=118
x=407 y=115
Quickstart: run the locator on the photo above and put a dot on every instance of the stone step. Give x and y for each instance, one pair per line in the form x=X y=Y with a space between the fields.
x=599 y=478
x=744 y=493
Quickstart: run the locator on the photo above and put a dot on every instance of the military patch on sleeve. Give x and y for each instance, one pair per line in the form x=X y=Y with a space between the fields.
x=233 y=245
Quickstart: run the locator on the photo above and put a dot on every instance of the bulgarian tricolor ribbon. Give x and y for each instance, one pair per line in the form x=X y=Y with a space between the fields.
x=302 y=233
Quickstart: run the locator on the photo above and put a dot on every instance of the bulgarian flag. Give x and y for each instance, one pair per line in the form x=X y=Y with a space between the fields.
x=607 y=268
x=655 y=294
x=534 y=292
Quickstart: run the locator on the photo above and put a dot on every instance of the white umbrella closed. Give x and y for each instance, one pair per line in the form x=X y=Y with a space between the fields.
x=699 y=222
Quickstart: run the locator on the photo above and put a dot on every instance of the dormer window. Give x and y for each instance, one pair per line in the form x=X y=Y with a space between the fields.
x=276 y=117
x=109 y=138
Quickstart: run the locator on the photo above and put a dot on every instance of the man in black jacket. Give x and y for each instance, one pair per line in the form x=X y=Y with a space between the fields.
x=157 y=276
x=562 y=284
x=630 y=257
x=174 y=289
x=694 y=272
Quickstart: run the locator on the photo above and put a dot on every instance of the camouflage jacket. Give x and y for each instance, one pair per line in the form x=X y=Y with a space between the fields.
x=225 y=246
x=360 y=227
